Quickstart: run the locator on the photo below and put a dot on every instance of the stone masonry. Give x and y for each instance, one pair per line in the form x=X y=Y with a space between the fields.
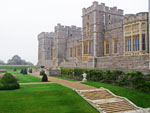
x=108 y=39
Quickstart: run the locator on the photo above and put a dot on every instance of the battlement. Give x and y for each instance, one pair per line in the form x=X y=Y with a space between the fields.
x=102 y=7
x=46 y=35
x=71 y=28
x=129 y=18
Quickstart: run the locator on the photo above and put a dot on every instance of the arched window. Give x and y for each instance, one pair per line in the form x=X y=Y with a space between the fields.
x=88 y=29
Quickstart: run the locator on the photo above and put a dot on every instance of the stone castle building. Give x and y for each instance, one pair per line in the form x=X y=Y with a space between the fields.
x=108 y=39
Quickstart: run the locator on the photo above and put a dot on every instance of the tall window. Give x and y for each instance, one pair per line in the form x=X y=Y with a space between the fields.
x=70 y=52
x=75 y=52
x=79 y=51
x=106 y=47
x=85 y=48
x=128 y=44
x=90 y=47
x=115 y=46
x=88 y=29
x=136 y=43
x=143 y=42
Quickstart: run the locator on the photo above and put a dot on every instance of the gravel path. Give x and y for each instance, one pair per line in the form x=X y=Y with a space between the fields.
x=71 y=84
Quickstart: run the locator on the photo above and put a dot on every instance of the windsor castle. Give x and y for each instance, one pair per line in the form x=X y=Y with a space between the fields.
x=108 y=39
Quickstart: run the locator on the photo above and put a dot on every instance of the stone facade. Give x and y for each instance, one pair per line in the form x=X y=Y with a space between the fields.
x=108 y=40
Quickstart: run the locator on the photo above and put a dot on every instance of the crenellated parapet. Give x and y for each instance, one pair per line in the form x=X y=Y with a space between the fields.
x=45 y=35
x=103 y=8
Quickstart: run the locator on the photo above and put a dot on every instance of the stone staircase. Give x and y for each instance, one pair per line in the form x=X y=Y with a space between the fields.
x=106 y=102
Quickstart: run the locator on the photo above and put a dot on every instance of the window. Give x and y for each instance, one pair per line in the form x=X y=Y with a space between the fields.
x=75 y=52
x=70 y=52
x=79 y=51
x=90 y=47
x=88 y=17
x=106 y=47
x=85 y=48
x=136 y=43
x=88 y=29
x=143 y=42
x=128 y=44
x=115 y=45
x=109 y=19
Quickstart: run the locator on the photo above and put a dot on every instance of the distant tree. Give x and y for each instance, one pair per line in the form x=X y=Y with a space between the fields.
x=2 y=62
x=44 y=78
x=16 y=60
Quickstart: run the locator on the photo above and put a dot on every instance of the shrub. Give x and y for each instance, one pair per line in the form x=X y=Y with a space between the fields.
x=44 y=78
x=15 y=69
x=78 y=73
x=25 y=71
x=42 y=72
x=8 y=82
x=144 y=87
x=94 y=74
x=30 y=70
x=21 y=71
x=67 y=71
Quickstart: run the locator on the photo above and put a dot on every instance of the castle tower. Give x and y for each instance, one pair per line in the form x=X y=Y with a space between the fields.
x=45 y=40
x=94 y=20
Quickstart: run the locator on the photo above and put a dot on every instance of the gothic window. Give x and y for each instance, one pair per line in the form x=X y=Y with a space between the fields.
x=79 y=51
x=107 y=47
x=136 y=43
x=115 y=46
x=128 y=44
x=143 y=42
x=70 y=52
x=109 y=19
x=88 y=17
x=90 y=47
x=88 y=29
x=75 y=52
x=85 y=48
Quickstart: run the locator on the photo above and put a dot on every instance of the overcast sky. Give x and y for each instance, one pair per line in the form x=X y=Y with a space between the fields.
x=22 y=20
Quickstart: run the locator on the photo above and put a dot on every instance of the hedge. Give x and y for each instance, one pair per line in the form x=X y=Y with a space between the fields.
x=134 y=80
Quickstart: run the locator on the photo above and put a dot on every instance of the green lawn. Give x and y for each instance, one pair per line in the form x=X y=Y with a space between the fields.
x=139 y=98
x=21 y=78
x=44 y=98
x=63 y=78
x=27 y=78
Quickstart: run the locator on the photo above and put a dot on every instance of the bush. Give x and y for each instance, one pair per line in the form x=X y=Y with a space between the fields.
x=15 y=69
x=25 y=71
x=8 y=82
x=21 y=71
x=67 y=71
x=94 y=74
x=145 y=87
x=30 y=70
x=44 y=78
x=42 y=72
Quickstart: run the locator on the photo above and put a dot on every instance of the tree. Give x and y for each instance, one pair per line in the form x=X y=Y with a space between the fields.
x=2 y=62
x=44 y=78
x=16 y=60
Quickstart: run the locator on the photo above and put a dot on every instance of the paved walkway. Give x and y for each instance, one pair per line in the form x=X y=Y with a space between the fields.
x=102 y=99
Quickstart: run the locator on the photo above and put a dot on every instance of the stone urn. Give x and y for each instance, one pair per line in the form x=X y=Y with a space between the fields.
x=84 y=77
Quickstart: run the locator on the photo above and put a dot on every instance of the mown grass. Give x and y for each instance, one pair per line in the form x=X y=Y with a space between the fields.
x=138 y=98
x=27 y=78
x=21 y=77
x=44 y=98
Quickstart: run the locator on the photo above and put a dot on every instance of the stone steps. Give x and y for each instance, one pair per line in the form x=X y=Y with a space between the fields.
x=106 y=102
x=116 y=107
